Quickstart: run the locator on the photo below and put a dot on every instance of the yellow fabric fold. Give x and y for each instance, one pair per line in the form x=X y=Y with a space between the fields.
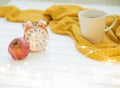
x=63 y=19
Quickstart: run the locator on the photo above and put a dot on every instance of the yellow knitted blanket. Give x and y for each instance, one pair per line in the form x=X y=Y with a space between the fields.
x=63 y=19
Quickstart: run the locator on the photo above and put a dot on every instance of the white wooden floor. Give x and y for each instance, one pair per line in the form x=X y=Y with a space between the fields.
x=60 y=66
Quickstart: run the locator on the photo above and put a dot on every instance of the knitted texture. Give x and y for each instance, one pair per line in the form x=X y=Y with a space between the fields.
x=63 y=19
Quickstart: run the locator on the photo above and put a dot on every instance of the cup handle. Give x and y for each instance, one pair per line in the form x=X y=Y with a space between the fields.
x=115 y=20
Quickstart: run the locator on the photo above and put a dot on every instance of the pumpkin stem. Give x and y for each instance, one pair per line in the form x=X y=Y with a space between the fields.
x=16 y=43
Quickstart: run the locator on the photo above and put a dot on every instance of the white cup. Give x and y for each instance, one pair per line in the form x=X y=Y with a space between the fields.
x=93 y=23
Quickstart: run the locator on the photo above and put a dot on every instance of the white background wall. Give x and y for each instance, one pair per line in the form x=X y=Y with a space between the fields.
x=98 y=2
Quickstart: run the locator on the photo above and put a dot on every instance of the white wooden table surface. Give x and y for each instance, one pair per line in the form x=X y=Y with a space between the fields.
x=60 y=66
